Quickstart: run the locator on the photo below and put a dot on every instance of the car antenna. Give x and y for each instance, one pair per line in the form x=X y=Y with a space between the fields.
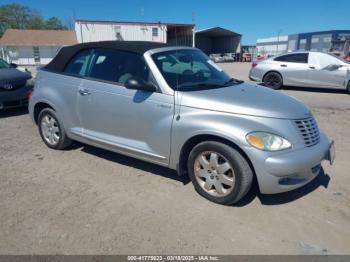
x=178 y=116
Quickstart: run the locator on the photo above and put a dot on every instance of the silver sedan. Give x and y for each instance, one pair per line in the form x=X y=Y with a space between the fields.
x=303 y=69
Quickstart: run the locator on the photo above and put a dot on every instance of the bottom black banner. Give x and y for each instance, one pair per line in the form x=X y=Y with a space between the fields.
x=221 y=258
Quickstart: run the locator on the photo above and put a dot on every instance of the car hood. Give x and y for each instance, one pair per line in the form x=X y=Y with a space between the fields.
x=11 y=75
x=247 y=99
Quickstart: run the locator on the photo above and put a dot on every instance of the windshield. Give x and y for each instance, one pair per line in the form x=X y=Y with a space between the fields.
x=3 y=64
x=191 y=70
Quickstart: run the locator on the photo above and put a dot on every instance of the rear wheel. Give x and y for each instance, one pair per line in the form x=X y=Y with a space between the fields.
x=219 y=172
x=348 y=87
x=51 y=130
x=273 y=80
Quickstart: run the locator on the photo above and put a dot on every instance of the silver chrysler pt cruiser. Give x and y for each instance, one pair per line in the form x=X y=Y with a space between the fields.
x=174 y=107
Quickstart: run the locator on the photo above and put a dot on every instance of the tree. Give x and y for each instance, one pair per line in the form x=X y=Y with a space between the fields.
x=36 y=23
x=53 y=23
x=17 y=16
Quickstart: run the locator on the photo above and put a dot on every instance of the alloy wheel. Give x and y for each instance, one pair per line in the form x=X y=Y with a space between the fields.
x=272 y=80
x=50 y=130
x=214 y=174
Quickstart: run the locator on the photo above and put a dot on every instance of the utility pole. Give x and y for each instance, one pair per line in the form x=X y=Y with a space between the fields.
x=194 y=29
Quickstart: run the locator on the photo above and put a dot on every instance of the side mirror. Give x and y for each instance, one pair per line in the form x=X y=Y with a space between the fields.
x=139 y=84
x=13 y=65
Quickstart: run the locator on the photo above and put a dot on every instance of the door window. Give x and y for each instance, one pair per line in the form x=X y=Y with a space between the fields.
x=118 y=66
x=293 y=58
x=321 y=61
x=77 y=66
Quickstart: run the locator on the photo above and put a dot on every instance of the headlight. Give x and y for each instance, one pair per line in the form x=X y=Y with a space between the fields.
x=267 y=141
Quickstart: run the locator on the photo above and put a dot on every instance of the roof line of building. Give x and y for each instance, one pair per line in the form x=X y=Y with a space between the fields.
x=217 y=28
x=24 y=37
x=130 y=22
x=313 y=32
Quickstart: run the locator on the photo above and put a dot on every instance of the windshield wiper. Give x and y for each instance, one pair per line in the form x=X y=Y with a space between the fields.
x=202 y=85
x=212 y=85
x=233 y=81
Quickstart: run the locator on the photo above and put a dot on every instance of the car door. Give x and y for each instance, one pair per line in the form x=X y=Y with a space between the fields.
x=324 y=72
x=133 y=122
x=69 y=82
x=293 y=68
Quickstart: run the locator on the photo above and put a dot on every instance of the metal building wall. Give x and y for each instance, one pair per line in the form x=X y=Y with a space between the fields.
x=218 y=45
x=226 y=44
x=90 y=32
x=180 y=35
x=204 y=43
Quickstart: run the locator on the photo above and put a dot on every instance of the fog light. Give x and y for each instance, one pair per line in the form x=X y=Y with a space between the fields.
x=291 y=180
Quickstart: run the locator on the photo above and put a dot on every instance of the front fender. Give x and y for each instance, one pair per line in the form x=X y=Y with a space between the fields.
x=231 y=127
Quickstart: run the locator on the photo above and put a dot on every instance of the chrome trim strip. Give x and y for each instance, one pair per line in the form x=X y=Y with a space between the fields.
x=120 y=146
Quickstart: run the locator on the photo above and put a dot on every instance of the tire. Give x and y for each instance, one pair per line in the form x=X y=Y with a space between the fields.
x=51 y=130
x=207 y=176
x=348 y=87
x=273 y=80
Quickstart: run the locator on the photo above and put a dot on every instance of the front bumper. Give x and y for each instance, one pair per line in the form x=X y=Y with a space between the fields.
x=16 y=98
x=285 y=171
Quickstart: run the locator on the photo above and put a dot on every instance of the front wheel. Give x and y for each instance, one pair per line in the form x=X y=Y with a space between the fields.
x=348 y=87
x=219 y=172
x=273 y=80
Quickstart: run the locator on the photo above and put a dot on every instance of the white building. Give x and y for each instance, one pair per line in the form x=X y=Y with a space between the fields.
x=321 y=41
x=172 y=33
x=33 y=47
x=272 y=45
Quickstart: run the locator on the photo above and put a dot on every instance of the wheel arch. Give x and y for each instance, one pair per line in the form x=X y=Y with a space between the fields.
x=272 y=71
x=195 y=140
x=38 y=107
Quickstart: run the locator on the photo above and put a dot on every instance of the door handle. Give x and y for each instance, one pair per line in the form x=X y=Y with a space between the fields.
x=283 y=65
x=312 y=67
x=84 y=92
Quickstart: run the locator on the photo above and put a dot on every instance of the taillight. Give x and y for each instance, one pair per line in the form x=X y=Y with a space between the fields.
x=254 y=65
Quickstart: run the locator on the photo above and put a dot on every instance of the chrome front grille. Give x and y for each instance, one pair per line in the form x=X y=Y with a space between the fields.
x=308 y=130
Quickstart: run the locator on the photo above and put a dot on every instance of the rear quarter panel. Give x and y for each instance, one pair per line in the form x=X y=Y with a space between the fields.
x=60 y=92
x=259 y=71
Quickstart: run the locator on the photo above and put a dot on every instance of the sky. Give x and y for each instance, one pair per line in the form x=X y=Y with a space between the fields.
x=253 y=18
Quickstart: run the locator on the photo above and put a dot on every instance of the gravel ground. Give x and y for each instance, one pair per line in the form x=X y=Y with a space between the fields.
x=89 y=201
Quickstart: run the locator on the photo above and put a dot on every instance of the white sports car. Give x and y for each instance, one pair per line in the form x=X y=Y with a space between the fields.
x=304 y=69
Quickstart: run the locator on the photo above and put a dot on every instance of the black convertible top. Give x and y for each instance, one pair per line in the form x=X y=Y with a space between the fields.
x=66 y=53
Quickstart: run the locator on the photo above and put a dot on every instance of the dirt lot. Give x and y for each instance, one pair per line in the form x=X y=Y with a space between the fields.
x=90 y=201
